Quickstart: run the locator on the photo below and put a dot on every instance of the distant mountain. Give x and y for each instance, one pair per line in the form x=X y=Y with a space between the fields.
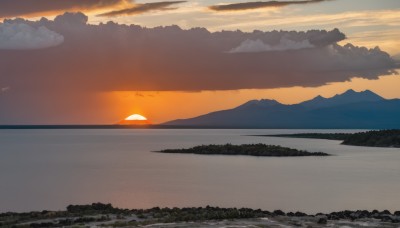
x=365 y=110
x=349 y=97
x=263 y=103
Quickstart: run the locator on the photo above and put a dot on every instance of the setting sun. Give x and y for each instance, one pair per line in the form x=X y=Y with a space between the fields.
x=135 y=119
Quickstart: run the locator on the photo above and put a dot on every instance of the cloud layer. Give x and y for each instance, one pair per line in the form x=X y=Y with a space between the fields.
x=110 y=8
x=15 y=8
x=260 y=4
x=23 y=36
x=142 y=8
x=119 y=57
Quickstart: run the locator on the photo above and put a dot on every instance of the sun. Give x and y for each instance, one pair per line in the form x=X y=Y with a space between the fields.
x=135 y=119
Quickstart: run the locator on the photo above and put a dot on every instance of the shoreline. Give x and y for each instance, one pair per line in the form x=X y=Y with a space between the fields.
x=105 y=215
x=380 y=139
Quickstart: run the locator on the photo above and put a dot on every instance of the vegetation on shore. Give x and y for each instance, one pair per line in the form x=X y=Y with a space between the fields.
x=106 y=215
x=102 y=214
x=329 y=136
x=381 y=138
x=245 y=149
x=384 y=138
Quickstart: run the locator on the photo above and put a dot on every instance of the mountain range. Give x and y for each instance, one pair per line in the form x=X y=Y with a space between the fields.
x=350 y=110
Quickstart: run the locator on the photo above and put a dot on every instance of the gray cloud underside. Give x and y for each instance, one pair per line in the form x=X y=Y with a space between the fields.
x=110 y=57
x=15 y=8
x=260 y=4
x=142 y=8
x=249 y=46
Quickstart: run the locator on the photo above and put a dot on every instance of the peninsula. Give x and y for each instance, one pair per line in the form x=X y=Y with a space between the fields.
x=381 y=138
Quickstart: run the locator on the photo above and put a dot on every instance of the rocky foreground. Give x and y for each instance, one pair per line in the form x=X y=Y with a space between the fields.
x=105 y=215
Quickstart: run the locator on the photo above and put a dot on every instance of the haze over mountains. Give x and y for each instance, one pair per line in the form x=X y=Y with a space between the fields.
x=357 y=110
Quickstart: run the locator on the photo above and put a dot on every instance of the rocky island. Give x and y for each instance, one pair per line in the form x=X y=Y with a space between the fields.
x=381 y=138
x=261 y=150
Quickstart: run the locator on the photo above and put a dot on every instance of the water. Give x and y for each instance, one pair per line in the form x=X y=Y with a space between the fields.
x=50 y=169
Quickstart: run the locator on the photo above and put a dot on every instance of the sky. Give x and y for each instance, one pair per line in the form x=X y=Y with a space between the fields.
x=99 y=61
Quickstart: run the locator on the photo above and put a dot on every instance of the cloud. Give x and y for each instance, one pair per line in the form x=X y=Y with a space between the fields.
x=23 y=36
x=110 y=56
x=259 y=46
x=260 y=4
x=19 y=8
x=142 y=8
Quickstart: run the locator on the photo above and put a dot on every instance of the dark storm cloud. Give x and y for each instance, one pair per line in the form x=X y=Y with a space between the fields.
x=15 y=8
x=120 y=57
x=260 y=4
x=142 y=8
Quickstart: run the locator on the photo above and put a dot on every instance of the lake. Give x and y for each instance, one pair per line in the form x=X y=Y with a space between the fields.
x=50 y=169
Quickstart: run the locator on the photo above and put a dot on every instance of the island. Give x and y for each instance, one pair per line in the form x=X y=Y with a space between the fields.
x=377 y=138
x=261 y=150
x=105 y=215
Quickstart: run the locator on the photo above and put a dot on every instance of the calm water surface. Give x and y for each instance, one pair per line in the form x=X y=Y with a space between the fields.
x=50 y=169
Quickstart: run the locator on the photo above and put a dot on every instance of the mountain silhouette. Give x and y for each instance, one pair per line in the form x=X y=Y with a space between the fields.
x=349 y=97
x=361 y=110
